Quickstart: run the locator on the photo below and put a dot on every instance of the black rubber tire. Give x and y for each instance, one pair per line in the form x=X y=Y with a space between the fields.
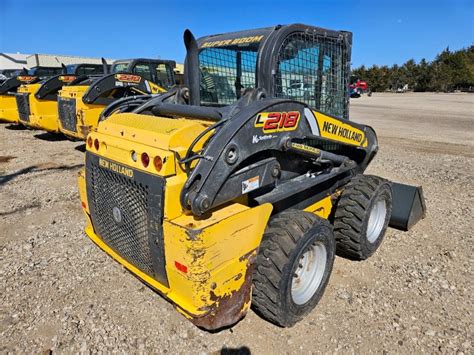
x=286 y=238
x=352 y=216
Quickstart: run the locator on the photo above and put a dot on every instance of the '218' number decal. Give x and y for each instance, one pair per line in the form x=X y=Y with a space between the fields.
x=277 y=121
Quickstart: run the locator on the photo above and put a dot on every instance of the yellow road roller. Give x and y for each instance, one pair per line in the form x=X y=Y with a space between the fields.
x=83 y=100
x=241 y=187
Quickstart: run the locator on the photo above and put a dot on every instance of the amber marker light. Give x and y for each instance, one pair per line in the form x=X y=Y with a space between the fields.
x=158 y=163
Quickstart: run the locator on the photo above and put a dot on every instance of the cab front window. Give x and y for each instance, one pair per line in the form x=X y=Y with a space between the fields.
x=225 y=72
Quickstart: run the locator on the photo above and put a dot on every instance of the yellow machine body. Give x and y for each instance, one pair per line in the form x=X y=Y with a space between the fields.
x=8 y=108
x=43 y=113
x=87 y=115
x=209 y=261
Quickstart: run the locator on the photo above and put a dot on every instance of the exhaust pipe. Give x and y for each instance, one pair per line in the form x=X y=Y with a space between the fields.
x=105 y=66
x=191 y=67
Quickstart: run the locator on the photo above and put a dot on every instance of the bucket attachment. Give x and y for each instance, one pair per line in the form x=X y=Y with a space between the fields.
x=408 y=206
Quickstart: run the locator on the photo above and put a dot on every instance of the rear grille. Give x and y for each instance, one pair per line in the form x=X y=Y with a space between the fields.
x=127 y=214
x=67 y=113
x=23 y=105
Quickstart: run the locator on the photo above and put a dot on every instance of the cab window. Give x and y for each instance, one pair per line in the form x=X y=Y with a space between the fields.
x=143 y=70
x=311 y=69
x=225 y=72
x=164 y=75
x=120 y=67
x=89 y=70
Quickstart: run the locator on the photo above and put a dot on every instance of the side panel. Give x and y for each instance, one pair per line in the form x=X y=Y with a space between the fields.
x=8 y=108
x=218 y=256
x=44 y=114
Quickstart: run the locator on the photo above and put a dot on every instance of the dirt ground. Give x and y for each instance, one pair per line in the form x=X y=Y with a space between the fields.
x=60 y=292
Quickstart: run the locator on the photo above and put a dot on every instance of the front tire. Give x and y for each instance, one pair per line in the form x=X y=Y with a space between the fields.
x=362 y=216
x=293 y=266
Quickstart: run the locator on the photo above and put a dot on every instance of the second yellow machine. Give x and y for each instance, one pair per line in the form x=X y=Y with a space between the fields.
x=38 y=101
x=81 y=103
x=9 y=88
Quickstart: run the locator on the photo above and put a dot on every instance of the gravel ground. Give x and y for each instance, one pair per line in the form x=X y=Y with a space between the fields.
x=61 y=293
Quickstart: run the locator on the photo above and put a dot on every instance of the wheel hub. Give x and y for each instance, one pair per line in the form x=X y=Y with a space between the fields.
x=309 y=273
x=376 y=220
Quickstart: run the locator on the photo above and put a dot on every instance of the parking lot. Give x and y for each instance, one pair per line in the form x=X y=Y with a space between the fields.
x=61 y=293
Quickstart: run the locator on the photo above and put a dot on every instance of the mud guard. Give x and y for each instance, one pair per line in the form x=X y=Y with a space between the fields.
x=409 y=206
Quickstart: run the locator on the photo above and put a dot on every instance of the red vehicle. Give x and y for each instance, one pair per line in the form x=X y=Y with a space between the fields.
x=358 y=87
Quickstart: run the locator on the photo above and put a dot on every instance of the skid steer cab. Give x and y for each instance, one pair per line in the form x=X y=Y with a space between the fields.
x=83 y=100
x=237 y=189
x=40 y=98
x=9 y=110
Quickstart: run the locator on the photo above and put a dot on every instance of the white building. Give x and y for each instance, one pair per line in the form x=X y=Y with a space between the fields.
x=52 y=60
x=20 y=61
x=13 y=60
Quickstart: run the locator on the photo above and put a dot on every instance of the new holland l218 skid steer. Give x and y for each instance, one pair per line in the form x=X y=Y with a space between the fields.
x=237 y=189
x=83 y=100
x=40 y=98
x=9 y=88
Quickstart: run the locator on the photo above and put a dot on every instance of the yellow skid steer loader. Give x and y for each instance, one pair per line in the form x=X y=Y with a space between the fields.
x=236 y=189
x=83 y=100
x=42 y=96
x=9 y=110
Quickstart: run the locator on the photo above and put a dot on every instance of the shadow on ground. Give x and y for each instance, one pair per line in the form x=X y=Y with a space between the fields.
x=243 y=350
x=35 y=168
x=14 y=127
x=21 y=209
x=50 y=137
x=81 y=148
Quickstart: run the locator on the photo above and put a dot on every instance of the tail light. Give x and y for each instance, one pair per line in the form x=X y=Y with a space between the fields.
x=89 y=142
x=158 y=163
x=145 y=159
x=96 y=144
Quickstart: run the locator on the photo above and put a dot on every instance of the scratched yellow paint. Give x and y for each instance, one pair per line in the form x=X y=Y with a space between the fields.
x=216 y=252
x=216 y=249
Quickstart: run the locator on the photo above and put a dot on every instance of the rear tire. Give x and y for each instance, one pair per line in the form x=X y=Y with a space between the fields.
x=293 y=266
x=362 y=215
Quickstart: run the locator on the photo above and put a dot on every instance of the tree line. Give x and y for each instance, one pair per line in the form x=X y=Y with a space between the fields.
x=447 y=72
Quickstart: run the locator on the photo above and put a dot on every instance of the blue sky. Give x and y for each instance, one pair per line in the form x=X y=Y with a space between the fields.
x=385 y=32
